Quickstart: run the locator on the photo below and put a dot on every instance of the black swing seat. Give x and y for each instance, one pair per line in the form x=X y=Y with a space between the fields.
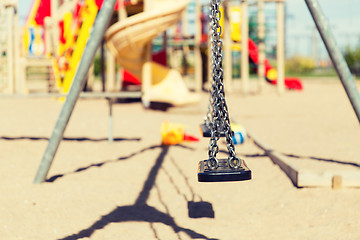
x=206 y=131
x=224 y=173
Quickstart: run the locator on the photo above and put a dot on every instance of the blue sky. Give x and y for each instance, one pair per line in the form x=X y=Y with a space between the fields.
x=343 y=17
x=301 y=37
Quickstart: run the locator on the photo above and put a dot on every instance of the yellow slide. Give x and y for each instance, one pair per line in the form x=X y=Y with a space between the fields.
x=127 y=40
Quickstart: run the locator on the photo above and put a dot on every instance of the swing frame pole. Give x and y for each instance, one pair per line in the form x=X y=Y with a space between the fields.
x=334 y=52
x=96 y=36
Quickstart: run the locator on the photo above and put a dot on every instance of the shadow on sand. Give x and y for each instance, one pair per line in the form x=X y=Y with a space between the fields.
x=324 y=160
x=140 y=211
x=100 y=164
x=71 y=139
x=197 y=207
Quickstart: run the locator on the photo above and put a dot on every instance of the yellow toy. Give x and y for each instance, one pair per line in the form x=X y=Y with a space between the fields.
x=174 y=133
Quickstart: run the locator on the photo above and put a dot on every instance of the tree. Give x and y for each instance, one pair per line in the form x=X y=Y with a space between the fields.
x=352 y=58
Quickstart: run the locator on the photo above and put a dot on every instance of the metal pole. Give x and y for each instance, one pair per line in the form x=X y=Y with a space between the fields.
x=198 y=60
x=338 y=60
x=227 y=48
x=102 y=65
x=244 y=47
x=110 y=136
x=261 y=46
x=94 y=41
x=10 y=48
x=280 y=48
x=110 y=70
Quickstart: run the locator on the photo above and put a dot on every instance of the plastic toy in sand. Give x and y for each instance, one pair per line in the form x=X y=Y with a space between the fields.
x=174 y=133
x=239 y=133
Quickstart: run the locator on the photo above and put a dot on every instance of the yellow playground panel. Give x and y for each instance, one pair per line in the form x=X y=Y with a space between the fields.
x=75 y=26
x=76 y=33
x=235 y=22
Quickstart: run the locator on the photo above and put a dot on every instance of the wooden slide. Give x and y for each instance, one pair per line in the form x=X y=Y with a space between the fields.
x=127 y=40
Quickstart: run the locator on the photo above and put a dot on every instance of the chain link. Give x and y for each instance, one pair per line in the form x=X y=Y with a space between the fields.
x=219 y=116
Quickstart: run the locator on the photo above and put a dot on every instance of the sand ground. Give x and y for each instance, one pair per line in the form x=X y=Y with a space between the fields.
x=135 y=188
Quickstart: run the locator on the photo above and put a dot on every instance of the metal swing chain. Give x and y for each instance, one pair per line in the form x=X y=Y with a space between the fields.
x=220 y=115
x=208 y=116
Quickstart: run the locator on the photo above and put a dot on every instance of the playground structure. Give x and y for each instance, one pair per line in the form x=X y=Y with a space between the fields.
x=8 y=49
x=54 y=37
x=41 y=45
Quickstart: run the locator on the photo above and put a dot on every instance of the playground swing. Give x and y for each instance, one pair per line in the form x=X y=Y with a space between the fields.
x=233 y=168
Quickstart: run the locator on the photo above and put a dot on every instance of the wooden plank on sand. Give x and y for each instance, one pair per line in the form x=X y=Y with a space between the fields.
x=302 y=177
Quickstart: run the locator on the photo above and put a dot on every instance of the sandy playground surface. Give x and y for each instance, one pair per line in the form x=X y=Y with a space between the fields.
x=137 y=189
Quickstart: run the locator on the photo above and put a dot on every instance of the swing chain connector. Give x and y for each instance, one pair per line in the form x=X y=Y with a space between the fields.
x=212 y=163
x=234 y=162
